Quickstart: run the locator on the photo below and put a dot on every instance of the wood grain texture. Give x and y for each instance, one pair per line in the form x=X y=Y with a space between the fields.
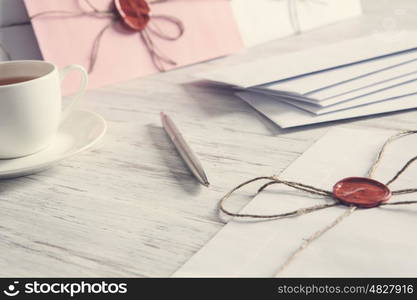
x=130 y=207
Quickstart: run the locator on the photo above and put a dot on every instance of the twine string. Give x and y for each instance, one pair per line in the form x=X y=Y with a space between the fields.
x=95 y=12
x=88 y=2
x=156 y=30
x=297 y=185
x=314 y=237
x=72 y=14
x=295 y=21
x=157 y=56
x=96 y=47
x=384 y=147
x=275 y=180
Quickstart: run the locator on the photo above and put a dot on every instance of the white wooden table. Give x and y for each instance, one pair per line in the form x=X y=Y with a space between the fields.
x=131 y=207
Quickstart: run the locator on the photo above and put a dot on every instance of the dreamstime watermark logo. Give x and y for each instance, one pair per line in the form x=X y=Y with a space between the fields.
x=72 y=289
x=12 y=290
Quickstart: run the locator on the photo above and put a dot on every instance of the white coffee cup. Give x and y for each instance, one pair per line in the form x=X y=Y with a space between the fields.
x=31 y=111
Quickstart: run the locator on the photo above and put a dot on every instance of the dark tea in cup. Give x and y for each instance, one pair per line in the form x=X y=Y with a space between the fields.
x=12 y=80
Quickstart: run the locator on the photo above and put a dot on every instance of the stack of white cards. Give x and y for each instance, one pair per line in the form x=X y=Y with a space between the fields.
x=366 y=76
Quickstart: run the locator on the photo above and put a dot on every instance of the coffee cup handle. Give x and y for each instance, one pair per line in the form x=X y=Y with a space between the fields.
x=83 y=86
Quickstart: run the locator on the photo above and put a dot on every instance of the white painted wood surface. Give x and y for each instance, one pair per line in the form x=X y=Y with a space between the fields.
x=130 y=207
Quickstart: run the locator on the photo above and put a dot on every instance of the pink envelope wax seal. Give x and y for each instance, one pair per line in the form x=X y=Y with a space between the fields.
x=135 y=13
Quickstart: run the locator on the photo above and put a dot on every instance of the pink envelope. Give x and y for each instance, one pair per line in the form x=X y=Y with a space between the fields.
x=210 y=31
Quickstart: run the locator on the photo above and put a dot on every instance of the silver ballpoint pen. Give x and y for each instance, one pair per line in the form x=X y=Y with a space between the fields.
x=184 y=150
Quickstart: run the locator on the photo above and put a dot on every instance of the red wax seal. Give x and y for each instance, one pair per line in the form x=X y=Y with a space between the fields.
x=361 y=192
x=134 y=13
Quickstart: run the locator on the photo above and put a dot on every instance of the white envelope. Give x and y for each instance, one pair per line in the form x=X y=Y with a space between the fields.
x=391 y=89
x=377 y=242
x=286 y=115
x=20 y=42
x=260 y=21
x=285 y=66
x=12 y=12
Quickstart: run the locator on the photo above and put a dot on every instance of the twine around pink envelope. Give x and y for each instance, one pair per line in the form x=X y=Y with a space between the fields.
x=210 y=31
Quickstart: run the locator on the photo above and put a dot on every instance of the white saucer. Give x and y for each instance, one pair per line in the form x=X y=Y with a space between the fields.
x=80 y=131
